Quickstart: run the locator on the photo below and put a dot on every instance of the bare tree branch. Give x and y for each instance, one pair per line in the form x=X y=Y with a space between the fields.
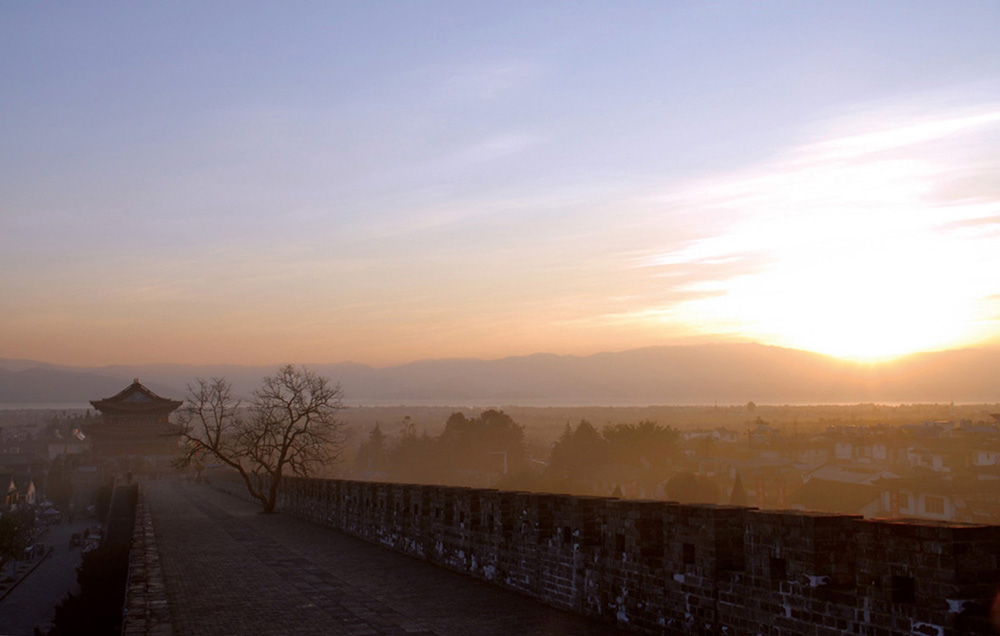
x=290 y=425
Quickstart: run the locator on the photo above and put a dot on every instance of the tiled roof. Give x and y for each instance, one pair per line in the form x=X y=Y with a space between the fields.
x=136 y=399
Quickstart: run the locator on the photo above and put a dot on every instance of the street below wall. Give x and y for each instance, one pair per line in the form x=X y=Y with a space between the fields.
x=32 y=602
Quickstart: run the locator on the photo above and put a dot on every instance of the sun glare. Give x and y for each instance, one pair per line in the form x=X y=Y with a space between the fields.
x=857 y=256
x=861 y=307
x=870 y=306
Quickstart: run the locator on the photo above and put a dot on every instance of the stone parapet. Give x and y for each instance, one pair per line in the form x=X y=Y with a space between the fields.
x=661 y=567
x=147 y=612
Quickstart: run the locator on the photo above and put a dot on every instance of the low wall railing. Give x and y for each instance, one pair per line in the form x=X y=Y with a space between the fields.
x=663 y=567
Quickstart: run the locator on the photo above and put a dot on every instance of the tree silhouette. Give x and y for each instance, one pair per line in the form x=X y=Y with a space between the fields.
x=687 y=487
x=580 y=454
x=290 y=424
x=16 y=528
x=738 y=496
x=641 y=445
x=373 y=453
x=475 y=444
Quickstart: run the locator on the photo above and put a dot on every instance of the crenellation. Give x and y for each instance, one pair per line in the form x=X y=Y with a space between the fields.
x=662 y=567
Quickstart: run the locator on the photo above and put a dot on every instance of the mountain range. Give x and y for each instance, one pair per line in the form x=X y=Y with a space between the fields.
x=682 y=375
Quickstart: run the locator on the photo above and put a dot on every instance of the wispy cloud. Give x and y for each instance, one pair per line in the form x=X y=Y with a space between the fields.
x=901 y=136
x=485 y=80
x=846 y=234
x=493 y=147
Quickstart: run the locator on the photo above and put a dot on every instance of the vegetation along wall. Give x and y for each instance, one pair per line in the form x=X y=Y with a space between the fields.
x=661 y=567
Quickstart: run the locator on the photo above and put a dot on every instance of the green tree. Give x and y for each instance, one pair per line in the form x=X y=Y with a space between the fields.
x=688 y=487
x=580 y=455
x=58 y=484
x=484 y=443
x=641 y=445
x=102 y=500
x=16 y=528
x=97 y=609
x=640 y=454
x=415 y=459
x=373 y=453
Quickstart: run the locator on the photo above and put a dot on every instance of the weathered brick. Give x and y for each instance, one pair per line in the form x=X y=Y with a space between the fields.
x=661 y=566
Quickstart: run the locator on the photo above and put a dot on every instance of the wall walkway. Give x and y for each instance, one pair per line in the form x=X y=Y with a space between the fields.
x=660 y=567
x=208 y=563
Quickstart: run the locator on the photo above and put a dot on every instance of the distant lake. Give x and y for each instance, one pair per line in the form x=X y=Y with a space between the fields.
x=46 y=406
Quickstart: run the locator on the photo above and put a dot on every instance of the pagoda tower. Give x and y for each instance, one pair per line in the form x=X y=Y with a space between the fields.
x=136 y=422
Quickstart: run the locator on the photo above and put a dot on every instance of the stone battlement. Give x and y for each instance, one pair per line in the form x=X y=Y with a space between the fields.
x=658 y=567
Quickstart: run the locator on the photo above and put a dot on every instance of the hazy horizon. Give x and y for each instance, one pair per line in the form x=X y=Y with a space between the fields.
x=386 y=183
x=861 y=363
x=681 y=375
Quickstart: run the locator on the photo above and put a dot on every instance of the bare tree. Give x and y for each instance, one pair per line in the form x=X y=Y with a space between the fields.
x=290 y=424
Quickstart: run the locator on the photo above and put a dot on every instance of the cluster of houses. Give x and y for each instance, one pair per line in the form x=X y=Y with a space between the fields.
x=18 y=489
x=129 y=429
x=944 y=471
x=26 y=456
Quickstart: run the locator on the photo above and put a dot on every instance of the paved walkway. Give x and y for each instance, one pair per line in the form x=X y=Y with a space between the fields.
x=231 y=570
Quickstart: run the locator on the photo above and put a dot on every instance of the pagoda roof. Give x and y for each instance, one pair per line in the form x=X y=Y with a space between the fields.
x=135 y=399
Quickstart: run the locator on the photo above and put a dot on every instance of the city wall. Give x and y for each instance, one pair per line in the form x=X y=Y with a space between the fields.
x=662 y=567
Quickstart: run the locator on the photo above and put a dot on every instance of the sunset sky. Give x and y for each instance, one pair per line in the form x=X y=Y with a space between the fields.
x=380 y=182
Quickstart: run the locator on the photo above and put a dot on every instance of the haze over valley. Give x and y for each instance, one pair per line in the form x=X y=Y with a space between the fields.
x=681 y=375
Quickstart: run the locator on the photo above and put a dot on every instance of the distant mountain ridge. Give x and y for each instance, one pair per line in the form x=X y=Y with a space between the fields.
x=685 y=374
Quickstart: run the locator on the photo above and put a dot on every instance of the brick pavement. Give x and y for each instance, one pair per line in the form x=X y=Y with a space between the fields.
x=230 y=570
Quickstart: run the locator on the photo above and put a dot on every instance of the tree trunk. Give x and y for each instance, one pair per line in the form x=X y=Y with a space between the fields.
x=272 y=494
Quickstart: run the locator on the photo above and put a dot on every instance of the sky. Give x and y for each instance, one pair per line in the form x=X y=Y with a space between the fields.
x=380 y=182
